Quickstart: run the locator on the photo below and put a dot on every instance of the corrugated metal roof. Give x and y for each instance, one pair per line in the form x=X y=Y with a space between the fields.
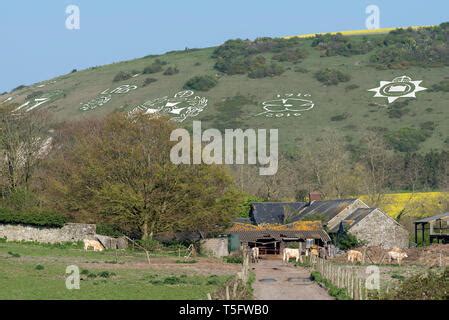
x=274 y=212
x=252 y=236
x=354 y=218
x=434 y=218
x=323 y=210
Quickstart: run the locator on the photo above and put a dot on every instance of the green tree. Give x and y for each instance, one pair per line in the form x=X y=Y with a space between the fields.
x=118 y=170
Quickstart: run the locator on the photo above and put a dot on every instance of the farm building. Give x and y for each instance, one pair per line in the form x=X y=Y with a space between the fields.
x=437 y=228
x=273 y=238
x=367 y=224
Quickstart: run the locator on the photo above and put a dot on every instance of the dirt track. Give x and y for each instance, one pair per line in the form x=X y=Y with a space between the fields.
x=276 y=281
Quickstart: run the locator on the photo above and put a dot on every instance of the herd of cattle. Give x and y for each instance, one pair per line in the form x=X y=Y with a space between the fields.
x=353 y=256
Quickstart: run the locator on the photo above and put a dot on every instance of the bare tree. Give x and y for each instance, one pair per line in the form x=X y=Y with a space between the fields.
x=23 y=139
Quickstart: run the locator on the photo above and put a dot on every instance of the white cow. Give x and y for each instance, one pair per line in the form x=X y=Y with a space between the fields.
x=355 y=256
x=96 y=245
x=291 y=253
x=396 y=255
x=255 y=255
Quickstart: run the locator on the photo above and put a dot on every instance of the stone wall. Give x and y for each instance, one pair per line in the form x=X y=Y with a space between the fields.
x=217 y=247
x=378 y=229
x=71 y=232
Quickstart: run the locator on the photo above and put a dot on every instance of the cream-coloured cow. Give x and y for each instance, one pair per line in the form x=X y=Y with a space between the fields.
x=355 y=256
x=291 y=253
x=397 y=255
x=96 y=245
x=254 y=255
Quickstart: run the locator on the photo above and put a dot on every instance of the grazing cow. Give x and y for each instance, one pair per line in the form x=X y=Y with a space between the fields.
x=96 y=245
x=314 y=252
x=254 y=255
x=355 y=256
x=291 y=253
x=396 y=255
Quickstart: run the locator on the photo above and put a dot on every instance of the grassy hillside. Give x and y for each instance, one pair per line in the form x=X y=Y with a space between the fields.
x=237 y=100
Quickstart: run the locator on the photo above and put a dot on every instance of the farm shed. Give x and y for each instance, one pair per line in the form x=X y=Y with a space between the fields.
x=437 y=226
x=273 y=238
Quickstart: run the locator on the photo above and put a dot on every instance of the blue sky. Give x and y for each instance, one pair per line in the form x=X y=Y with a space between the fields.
x=35 y=45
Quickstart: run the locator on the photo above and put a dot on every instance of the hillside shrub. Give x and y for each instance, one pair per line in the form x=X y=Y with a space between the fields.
x=266 y=71
x=407 y=139
x=149 y=81
x=171 y=71
x=33 y=218
x=425 y=47
x=338 y=44
x=201 y=83
x=155 y=67
x=331 y=77
x=294 y=56
x=341 y=117
x=443 y=86
x=122 y=76
x=398 y=109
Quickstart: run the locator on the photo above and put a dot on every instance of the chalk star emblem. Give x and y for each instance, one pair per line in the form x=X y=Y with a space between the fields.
x=400 y=87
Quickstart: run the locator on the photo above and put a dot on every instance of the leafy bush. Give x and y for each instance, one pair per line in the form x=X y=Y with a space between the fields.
x=233 y=259
x=331 y=76
x=33 y=218
x=148 y=81
x=443 y=86
x=407 y=139
x=108 y=230
x=19 y=88
x=337 y=44
x=155 y=67
x=345 y=240
x=122 y=76
x=39 y=267
x=351 y=87
x=426 y=47
x=266 y=71
x=429 y=286
x=340 y=117
x=295 y=55
x=201 y=83
x=398 y=109
x=14 y=254
x=171 y=71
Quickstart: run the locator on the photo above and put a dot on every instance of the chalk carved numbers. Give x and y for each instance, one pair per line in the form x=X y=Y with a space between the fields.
x=288 y=105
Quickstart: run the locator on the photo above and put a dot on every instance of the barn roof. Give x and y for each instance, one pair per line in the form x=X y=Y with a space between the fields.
x=253 y=236
x=323 y=210
x=274 y=212
x=354 y=218
x=443 y=216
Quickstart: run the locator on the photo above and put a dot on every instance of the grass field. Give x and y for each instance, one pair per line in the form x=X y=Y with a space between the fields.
x=352 y=99
x=31 y=271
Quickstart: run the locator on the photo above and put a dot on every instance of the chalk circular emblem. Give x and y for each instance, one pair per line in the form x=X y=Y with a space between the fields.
x=400 y=87
x=289 y=105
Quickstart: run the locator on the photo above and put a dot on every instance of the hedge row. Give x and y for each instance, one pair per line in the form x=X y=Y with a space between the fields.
x=35 y=218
